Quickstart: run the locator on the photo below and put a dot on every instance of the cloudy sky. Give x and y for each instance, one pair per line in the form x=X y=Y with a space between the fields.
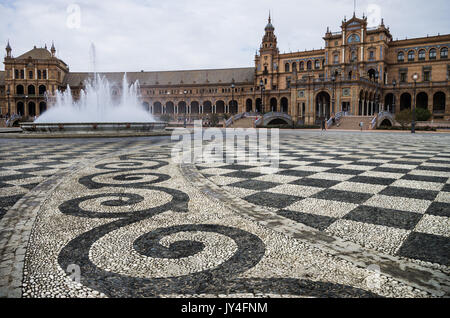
x=152 y=35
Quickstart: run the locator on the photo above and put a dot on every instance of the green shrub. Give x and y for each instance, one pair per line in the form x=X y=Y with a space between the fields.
x=214 y=120
x=166 y=118
x=423 y=114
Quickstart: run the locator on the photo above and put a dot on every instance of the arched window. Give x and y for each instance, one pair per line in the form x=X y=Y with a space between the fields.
x=287 y=67
x=42 y=90
x=294 y=67
x=31 y=109
x=411 y=56
x=309 y=65
x=354 y=56
x=302 y=66
x=405 y=101
x=432 y=54
x=439 y=103
x=401 y=57
x=31 y=90
x=42 y=107
x=444 y=53
x=20 y=109
x=336 y=59
x=422 y=55
x=19 y=90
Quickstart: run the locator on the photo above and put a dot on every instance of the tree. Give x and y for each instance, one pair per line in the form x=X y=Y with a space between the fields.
x=404 y=118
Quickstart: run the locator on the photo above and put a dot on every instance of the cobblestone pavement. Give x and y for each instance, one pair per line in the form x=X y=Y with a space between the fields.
x=124 y=220
x=391 y=193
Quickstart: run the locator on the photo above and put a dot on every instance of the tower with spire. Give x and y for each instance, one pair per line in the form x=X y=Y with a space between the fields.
x=8 y=50
x=53 y=50
x=269 y=42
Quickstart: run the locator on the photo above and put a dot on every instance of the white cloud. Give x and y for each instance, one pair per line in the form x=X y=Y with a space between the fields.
x=177 y=34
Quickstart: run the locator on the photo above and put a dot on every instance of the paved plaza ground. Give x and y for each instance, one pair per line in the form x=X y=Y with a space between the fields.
x=344 y=214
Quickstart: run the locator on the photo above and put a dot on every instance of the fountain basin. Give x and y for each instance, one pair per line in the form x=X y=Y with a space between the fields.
x=92 y=128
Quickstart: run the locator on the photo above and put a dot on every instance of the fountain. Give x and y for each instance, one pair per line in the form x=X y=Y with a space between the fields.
x=97 y=109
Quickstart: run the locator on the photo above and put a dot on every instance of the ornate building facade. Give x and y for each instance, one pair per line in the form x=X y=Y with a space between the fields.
x=361 y=71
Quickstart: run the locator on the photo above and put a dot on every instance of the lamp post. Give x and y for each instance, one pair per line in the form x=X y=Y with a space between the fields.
x=25 y=107
x=376 y=94
x=185 y=109
x=8 y=93
x=232 y=97
x=394 y=83
x=261 y=85
x=333 y=79
x=413 y=124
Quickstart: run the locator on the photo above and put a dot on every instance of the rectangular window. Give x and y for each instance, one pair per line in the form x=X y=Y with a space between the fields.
x=426 y=76
x=44 y=74
x=403 y=77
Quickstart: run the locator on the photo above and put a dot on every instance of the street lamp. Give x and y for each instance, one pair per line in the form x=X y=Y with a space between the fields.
x=394 y=83
x=185 y=109
x=261 y=85
x=333 y=79
x=8 y=93
x=376 y=93
x=413 y=124
x=232 y=97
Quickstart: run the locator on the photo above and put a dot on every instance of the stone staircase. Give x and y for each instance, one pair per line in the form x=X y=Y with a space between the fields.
x=247 y=122
x=352 y=123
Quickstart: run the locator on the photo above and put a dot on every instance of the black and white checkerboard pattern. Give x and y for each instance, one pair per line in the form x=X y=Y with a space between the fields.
x=388 y=195
x=23 y=165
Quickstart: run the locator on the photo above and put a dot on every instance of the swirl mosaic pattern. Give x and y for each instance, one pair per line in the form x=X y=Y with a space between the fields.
x=122 y=252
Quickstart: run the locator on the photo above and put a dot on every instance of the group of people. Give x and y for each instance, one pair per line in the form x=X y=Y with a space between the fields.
x=11 y=118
